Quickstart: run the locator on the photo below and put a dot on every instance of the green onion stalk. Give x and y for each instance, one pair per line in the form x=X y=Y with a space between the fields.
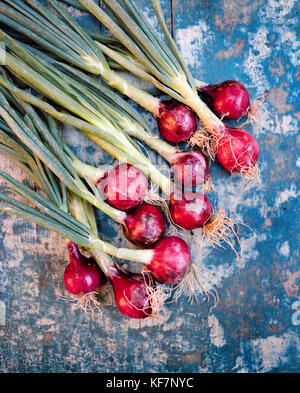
x=65 y=39
x=58 y=162
x=30 y=19
x=229 y=99
x=61 y=35
x=59 y=87
x=190 y=168
x=81 y=179
x=188 y=210
x=141 y=293
x=236 y=150
x=82 y=275
x=114 y=49
x=162 y=63
x=136 y=295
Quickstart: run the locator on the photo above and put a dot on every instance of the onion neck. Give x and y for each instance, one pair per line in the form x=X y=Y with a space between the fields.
x=100 y=249
x=140 y=96
x=96 y=246
x=74 y=252
x=200 y=84
x=104 y=261
x=210 y=121
x=93 y=173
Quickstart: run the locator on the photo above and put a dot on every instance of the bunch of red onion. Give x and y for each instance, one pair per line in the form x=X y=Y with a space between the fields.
x=166 y=260
x=125 y=187
x=136 y=295
x=83 y=276
x=236 y=149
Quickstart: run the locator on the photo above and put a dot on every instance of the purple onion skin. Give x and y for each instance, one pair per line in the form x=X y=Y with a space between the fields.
x=189 y=210
x=171 y=260
x=229 y=100
x=82 y=275
x=125 y=187
x=131 y=293
x=145 y=225
x=100 y=179
x=176 y=122
x=237 y=150
x=190 y=168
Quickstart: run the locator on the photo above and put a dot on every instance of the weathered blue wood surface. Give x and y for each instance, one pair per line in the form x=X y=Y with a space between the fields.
x=255 y=327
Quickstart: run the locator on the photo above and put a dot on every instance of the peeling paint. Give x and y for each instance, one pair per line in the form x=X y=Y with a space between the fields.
x=286 y=195
x=2 y=313
x=285 y=249
x=233 y=16
x=192 y=41
x=290 y=284
x=216 y=332
x=272 y=352
x=278 y=98
x=233 y=51
x=259 y=51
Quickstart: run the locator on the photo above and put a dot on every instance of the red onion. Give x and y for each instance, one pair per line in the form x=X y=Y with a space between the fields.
x=189 y=210
x=171 y=260
x=132 y=292
x=229 y=99
x=237 y=151
x=168 y=261
x=176 y=122
x=145 y=225
x=125 y=187
x=190 y=168
x=82 y=274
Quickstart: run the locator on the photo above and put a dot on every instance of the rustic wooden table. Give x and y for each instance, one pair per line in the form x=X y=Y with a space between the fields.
x=255 y=327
